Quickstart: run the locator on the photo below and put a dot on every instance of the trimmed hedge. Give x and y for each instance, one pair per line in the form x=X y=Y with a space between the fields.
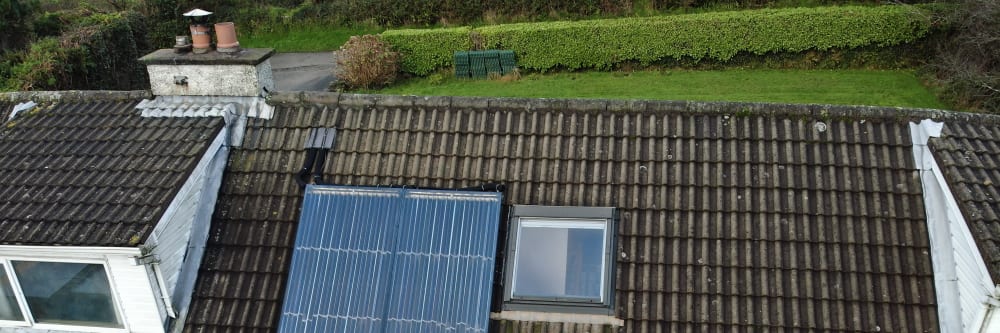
x=424 y=51
x=717 y=36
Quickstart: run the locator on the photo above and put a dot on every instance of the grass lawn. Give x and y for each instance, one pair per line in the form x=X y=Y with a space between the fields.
x=306 y=39
x=848 y=87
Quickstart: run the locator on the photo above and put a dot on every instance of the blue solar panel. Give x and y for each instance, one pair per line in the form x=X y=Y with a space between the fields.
x=392 y=260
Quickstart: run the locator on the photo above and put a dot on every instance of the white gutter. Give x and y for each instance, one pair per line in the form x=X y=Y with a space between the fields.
x=164 y=294
x=67 y=251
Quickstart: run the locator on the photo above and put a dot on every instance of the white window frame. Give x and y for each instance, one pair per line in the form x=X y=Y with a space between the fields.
x=562 y=217
x=16 y=289
x=29 y=319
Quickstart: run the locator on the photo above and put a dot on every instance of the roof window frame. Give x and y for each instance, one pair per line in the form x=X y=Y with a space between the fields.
x=557 y=216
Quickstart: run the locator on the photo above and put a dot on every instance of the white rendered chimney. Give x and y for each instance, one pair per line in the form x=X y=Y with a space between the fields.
x=246 y=72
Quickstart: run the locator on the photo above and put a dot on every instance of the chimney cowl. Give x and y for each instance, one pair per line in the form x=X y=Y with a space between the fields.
x=195 y=13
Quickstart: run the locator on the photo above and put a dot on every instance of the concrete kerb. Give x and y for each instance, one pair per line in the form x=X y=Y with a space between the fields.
x=626 y=105
x=587 y=105
x=322 y=98
x=395 y=101
x=470 y=102
x=509 y=103
x=358 y=100
x=817 y=111
x=433 y=102
x=74 y=96
x=811 y=111
x=285 y=98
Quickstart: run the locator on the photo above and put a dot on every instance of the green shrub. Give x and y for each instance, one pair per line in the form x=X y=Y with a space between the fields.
x=367 y=62
x=48 y=24
x=47 y=65
x=98 y=52
x=716 y=36
x=112 y=43
x=424 y=51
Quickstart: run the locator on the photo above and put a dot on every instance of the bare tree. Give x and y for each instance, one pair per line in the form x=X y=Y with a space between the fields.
x=969 y=61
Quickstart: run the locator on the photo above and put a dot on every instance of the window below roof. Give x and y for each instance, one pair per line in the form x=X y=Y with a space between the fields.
x=57 y=296
x=10 y=308
x=560 y=259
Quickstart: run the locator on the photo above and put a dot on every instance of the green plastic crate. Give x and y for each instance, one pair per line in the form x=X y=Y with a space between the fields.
x=462 y=67
x=479 y=64
x=492 y=60
x=507 y=63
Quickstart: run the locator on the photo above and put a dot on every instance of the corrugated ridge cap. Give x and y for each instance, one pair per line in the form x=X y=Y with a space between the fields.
x=817 y=111
x=74 y=96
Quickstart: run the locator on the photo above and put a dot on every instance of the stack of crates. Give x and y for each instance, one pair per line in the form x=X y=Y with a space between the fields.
x=492 y=62
x=507 y=63
x=477 y=59
x=479 y=64
x=462 y=68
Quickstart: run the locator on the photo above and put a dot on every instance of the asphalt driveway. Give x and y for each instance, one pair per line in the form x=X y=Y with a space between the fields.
x=311 y=71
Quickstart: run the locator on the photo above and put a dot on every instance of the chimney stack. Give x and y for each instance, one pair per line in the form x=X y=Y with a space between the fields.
x=229 y=71
x=246 y=72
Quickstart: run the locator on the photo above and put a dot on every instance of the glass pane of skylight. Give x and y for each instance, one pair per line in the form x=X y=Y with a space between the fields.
x=9 y=309
x=67 y=293
x=563 y=260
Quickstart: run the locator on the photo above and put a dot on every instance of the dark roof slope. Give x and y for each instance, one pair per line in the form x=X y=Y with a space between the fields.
x=91 y=171
x=969 y=155
x=733 y=215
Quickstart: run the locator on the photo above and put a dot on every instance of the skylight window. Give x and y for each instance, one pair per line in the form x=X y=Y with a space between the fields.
x=565 y=260
x=560 y=259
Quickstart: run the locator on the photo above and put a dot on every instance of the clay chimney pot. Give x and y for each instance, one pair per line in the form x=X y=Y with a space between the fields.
x=225 y=32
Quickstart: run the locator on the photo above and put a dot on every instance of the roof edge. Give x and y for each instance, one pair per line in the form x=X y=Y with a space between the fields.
x=74 y=95
x=817 y=111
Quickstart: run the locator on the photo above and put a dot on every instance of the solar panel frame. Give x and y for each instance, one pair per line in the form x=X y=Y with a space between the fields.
x=392 y=259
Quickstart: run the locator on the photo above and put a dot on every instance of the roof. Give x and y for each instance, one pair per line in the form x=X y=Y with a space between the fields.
x=89 y=171
x=969 y=155
x=733 y=215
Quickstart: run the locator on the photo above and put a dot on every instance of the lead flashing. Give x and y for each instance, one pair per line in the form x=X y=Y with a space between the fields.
x=576 y=318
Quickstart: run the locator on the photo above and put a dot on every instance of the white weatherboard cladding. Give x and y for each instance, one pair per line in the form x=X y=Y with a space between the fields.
x=211 y=80
x=129 y=282
x=178 y=241
x=962 y=282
